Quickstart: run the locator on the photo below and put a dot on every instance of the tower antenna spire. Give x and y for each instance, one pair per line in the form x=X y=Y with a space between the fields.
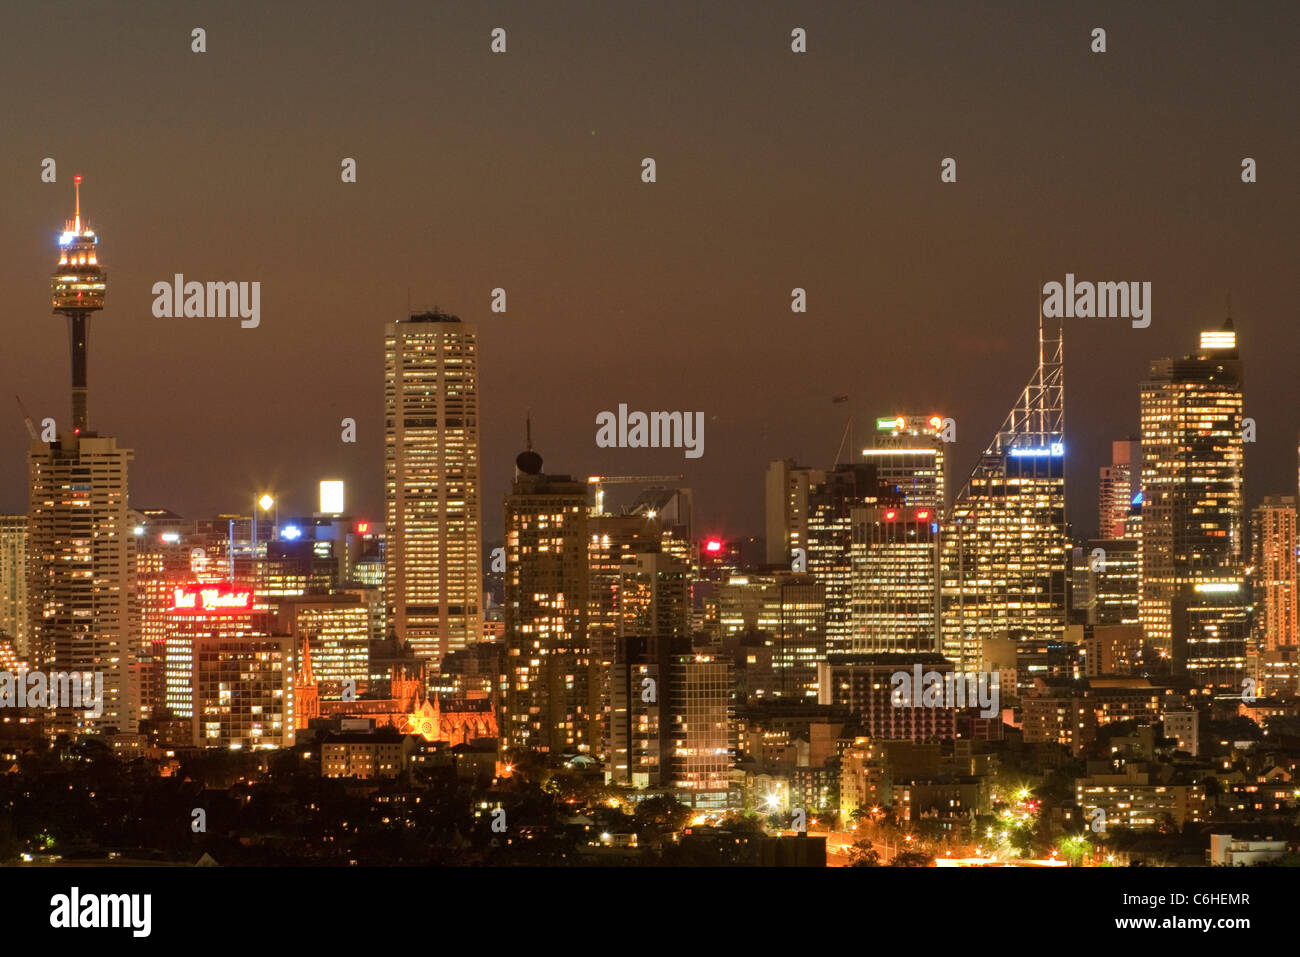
x=77 y=288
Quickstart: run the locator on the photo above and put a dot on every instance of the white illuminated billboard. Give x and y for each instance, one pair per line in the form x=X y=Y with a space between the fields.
x=331 y=497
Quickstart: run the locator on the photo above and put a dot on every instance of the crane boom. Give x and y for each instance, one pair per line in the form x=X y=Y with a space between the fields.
x=31 y=427
x=632 y=479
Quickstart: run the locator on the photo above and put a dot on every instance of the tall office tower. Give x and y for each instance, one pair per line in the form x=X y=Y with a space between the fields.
x=700 y=730
x=799 y=642
x=1194 y=602
x=671 y=720
x=201 y=611
x=165 y=557
x=895 y=560
x=82 y=609
x=636 y=746
x=614 y=541
x=1115 y=580
x=1005 y=540
x=907 y=451
x=13 y=581
x=1082 y=599
x=654 y=597
x=652 y=609
x=433 y=575
x=548 y=686
x=1273 y=540
x=785 y=493
x=787 y=610
x=1116 y=485
x=831 y=501
x=748 y=603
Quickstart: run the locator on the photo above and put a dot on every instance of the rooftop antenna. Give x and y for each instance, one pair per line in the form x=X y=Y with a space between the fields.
x=78 y=288
x=848 y=431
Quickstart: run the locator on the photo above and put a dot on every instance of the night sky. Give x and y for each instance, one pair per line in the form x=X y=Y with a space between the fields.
x=522 y=170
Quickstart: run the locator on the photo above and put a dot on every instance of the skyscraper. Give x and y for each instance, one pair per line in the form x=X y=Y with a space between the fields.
x=1273 y=546
x=1194 y=605
x=1114 y=576
x=895 y=559
x=798 y=642
x=785 y=492
x=653 y=617
x=1117 y=484
x=654 y=596
x=1005 y=540
x=13 y=581
x=831 y=500
x=809 y=525
x=614 y=540
x=700 y=731
x=787 y=612
x=433 y=562
x=550 y=696
x=907 y=452
x=82 y=604
x=200 y=612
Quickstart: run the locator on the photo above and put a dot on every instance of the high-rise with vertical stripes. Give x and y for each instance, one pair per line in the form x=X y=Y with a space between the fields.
x=433 y=574
x=1195 y=605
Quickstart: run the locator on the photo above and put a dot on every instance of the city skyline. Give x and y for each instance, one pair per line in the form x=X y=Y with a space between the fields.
x=639 y=436
x=447 y=231
x=852 y=450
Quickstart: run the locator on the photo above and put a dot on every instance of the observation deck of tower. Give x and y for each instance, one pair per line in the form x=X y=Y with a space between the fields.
x=78 y=288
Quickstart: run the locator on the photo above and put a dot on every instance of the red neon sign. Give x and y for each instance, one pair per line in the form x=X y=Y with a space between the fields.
x=363 y=528
x=922 y=515
x=713 y=545
x=211 y=598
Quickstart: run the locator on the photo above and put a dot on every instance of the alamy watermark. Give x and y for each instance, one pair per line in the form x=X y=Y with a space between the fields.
x=653 y=430
x=1101 y=300
x=214 y=300
x=75 y=910
x=58 y=689
x=953 y=689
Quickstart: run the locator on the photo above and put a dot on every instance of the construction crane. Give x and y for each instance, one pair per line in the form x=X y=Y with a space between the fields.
x=31 y=427
x=598 y=483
